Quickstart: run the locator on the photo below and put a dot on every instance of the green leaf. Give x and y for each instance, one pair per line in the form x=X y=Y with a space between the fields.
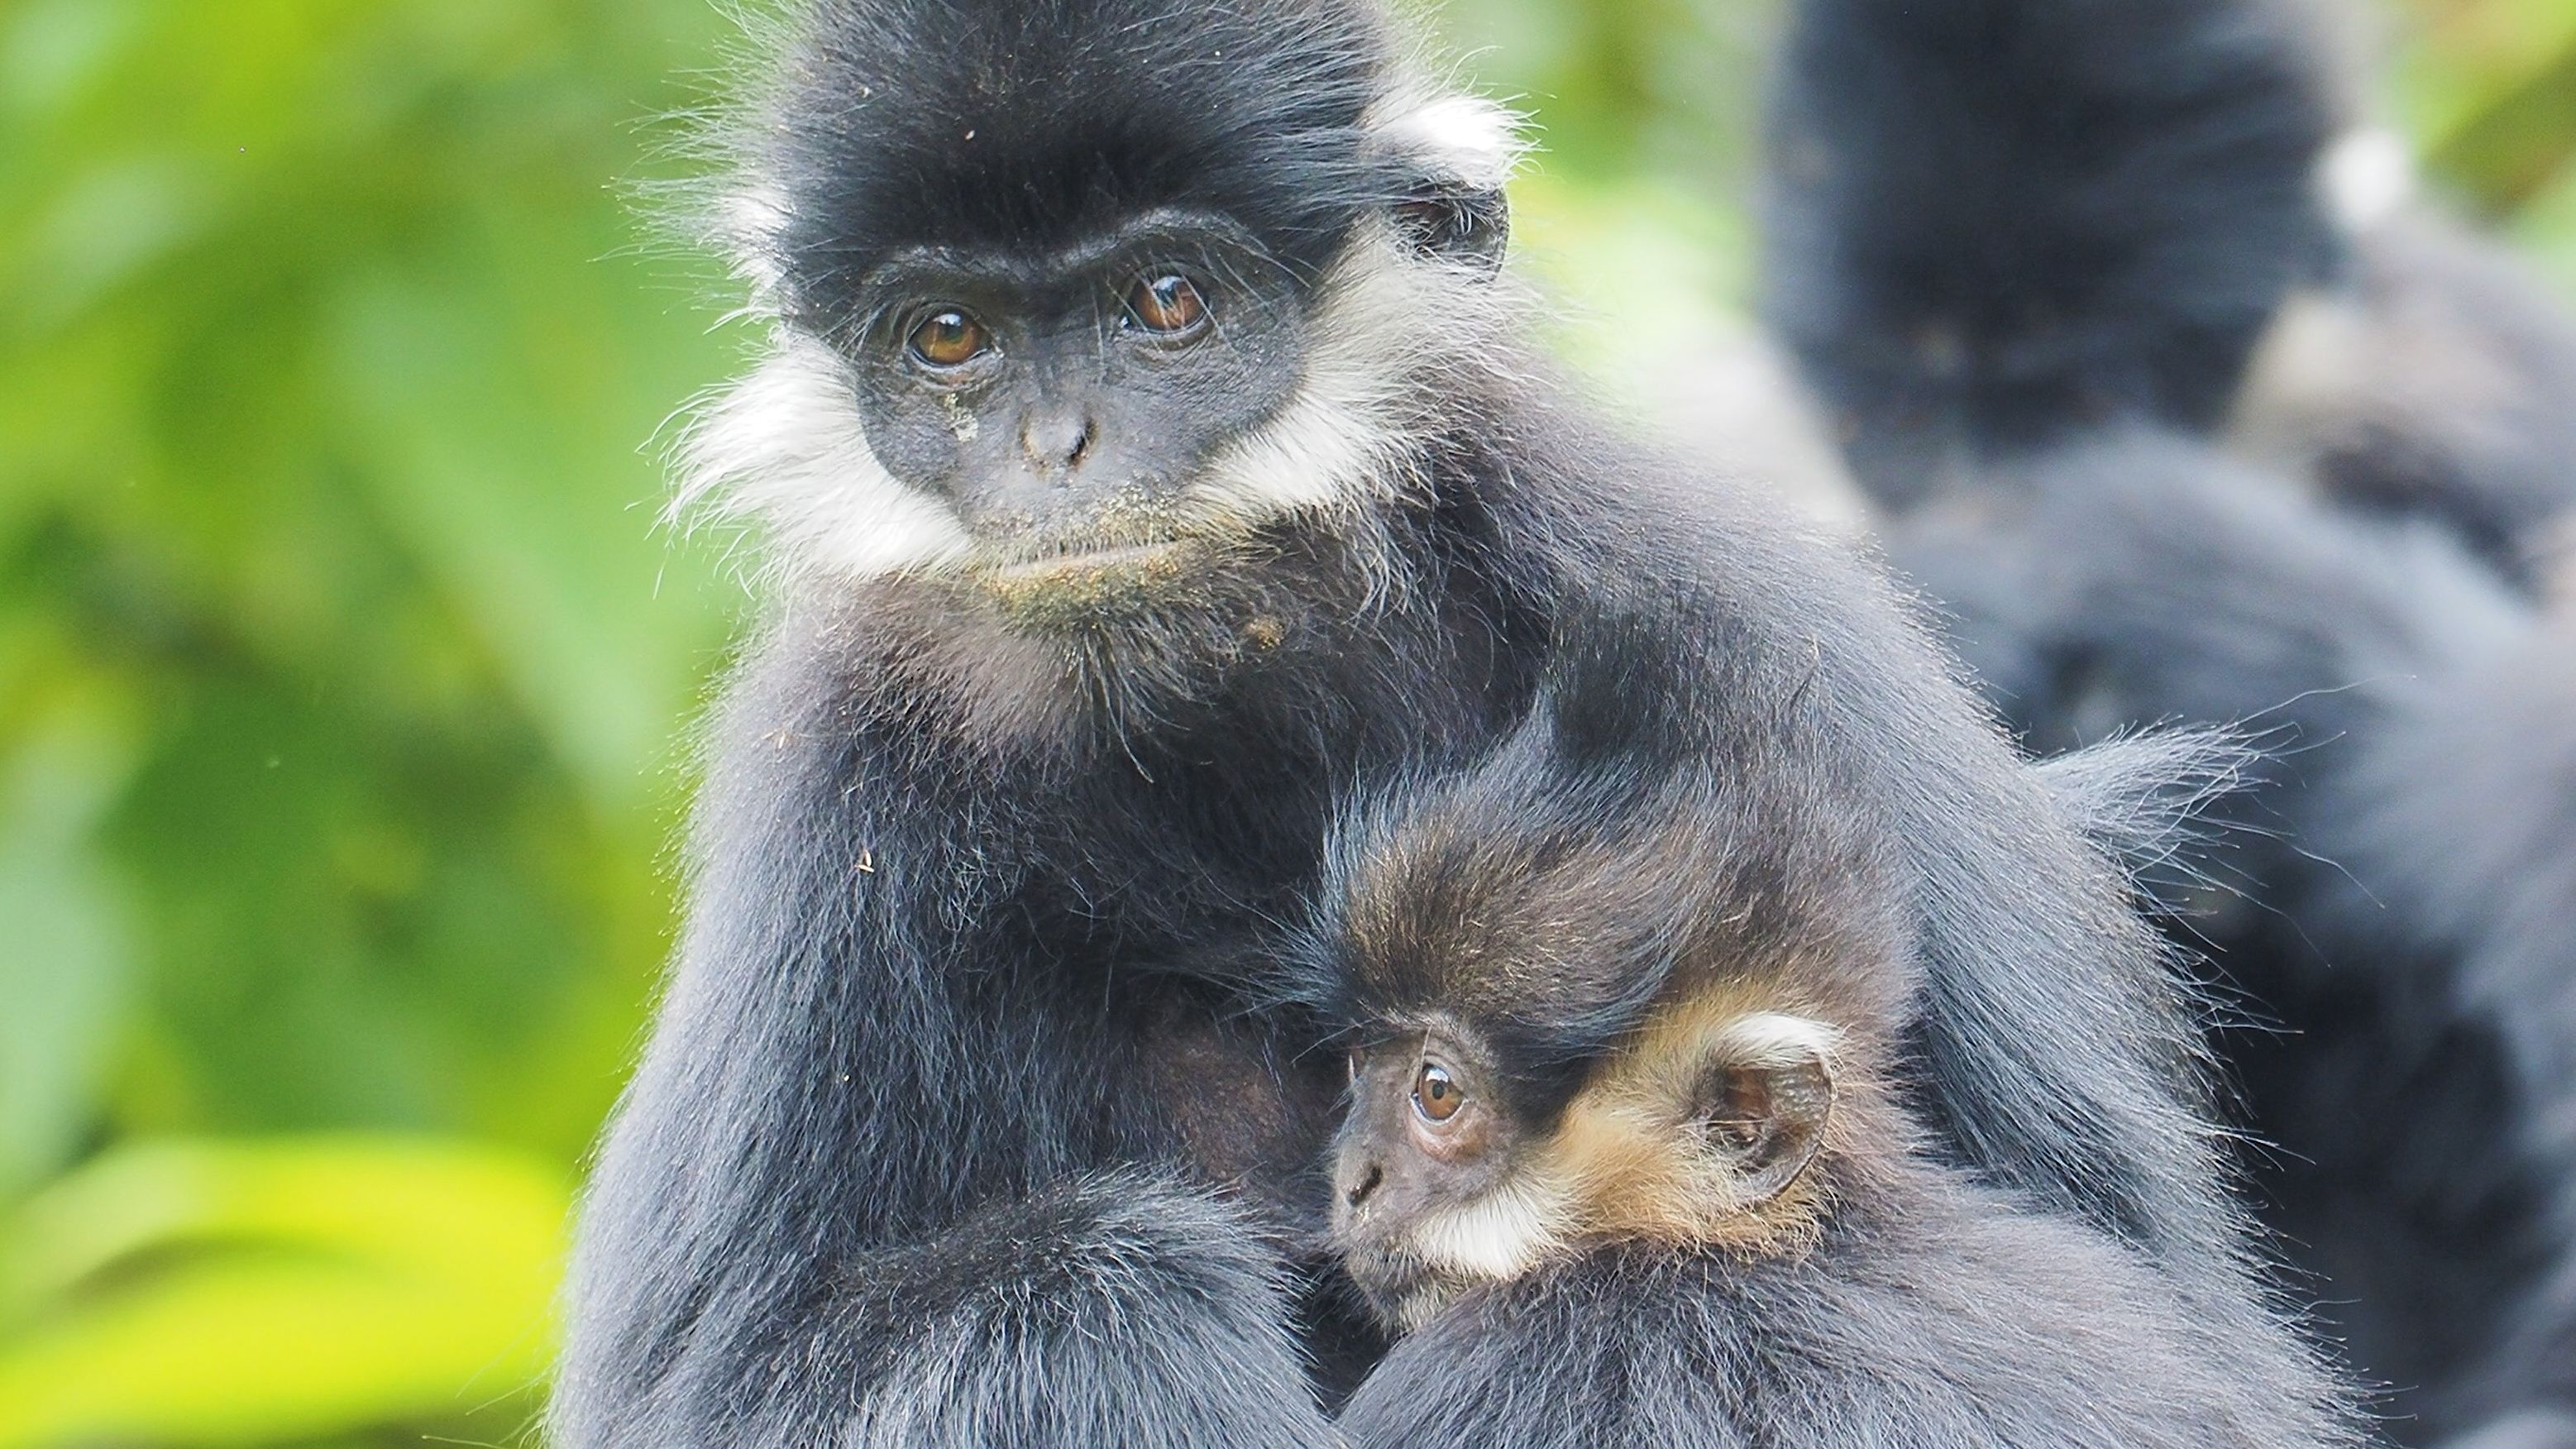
x=2518 y=142
x=210 y=1293
x=510 y=386
x=66 y=965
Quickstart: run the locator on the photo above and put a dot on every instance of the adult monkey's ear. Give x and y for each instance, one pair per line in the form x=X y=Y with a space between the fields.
x=1455 y=154
x=1763 y=1100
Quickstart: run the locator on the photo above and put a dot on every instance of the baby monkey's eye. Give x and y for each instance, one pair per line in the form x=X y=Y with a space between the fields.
x=1436 y=1094
x=949 y=338
x=1168 y=304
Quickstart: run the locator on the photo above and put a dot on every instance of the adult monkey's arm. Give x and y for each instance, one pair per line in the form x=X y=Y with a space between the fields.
x=846 y=1201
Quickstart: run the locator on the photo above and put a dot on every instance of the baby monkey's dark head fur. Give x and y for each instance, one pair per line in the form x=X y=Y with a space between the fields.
x=1075 y=299
x=1583 y=1011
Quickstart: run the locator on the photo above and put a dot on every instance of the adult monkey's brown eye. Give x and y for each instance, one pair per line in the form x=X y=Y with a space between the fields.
x=1436 y=1094
x=949 y=338
x=1169 y=304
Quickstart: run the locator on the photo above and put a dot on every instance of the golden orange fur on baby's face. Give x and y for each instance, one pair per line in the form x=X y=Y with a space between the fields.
x=1701 y=1130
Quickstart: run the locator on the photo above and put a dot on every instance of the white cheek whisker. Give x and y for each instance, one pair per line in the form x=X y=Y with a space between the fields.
x=1497 y=1236
x=785 y=449
x=1350 y=436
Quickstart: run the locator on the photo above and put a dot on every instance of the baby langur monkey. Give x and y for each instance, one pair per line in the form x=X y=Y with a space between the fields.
x=1570 y=1031
x=1701 y=1133
x=1639 y=1046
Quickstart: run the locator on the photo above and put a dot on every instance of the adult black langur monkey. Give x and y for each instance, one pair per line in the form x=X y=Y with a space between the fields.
x=2045 y=259
x=2407 y=871
x=1995 y=224
x=1149 y=455
x=1998 y=224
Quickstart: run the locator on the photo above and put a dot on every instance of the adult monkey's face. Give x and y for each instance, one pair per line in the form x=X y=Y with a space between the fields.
x=1086 y=300
x=1070 y=406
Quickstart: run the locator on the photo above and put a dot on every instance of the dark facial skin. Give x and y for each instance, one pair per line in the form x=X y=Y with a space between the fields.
x=1425 y=1132
x=1065 y=403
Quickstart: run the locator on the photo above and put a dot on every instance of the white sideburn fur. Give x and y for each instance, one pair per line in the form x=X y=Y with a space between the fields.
x=785 y=452
x=1468 y=139
x=1495 y=1238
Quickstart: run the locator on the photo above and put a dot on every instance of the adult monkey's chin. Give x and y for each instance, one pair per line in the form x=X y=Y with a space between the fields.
x=1101 y=585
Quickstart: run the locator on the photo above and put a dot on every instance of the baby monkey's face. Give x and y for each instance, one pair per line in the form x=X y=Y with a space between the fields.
x=1696 y=1132
x=1431 y=1192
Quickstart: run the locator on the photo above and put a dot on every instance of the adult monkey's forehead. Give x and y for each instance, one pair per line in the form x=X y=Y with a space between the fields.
x=1027 y=127
x=1167 y=234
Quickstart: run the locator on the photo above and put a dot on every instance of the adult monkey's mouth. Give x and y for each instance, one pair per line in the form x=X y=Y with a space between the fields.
x=1144 y=558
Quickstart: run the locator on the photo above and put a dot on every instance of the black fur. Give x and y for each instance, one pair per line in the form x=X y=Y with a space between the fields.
x=1961 y=1319
x=985 y=125
x=2134 y=189
x=2378 y=908
x=973 y=899
x=1063 y=1348
x=1996 y=222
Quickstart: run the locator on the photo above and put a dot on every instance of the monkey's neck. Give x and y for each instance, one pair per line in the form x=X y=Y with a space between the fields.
x=1268 y=637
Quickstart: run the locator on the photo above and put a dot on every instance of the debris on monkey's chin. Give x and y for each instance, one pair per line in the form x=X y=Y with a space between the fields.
x=1266 y=632
x=1082 y=588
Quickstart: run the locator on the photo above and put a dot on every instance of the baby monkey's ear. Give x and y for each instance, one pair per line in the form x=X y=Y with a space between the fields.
x=1763 y=1100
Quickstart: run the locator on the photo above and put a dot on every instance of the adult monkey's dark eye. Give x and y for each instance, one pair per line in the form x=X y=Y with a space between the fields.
x=949 y=338
x=1169 y=304
x=1436 y=1094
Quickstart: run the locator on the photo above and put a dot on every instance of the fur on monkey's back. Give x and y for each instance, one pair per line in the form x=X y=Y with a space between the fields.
x=1959 y=1320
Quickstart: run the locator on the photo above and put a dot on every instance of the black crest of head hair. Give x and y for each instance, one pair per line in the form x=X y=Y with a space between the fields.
x=1019 y=125
x=1994 y=220
x=1509 y=895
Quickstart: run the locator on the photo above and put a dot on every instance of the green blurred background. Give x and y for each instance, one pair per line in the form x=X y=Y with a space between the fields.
x=345 y=678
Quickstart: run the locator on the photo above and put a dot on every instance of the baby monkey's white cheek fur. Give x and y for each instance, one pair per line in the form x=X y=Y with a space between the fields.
x=1498 y=1236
